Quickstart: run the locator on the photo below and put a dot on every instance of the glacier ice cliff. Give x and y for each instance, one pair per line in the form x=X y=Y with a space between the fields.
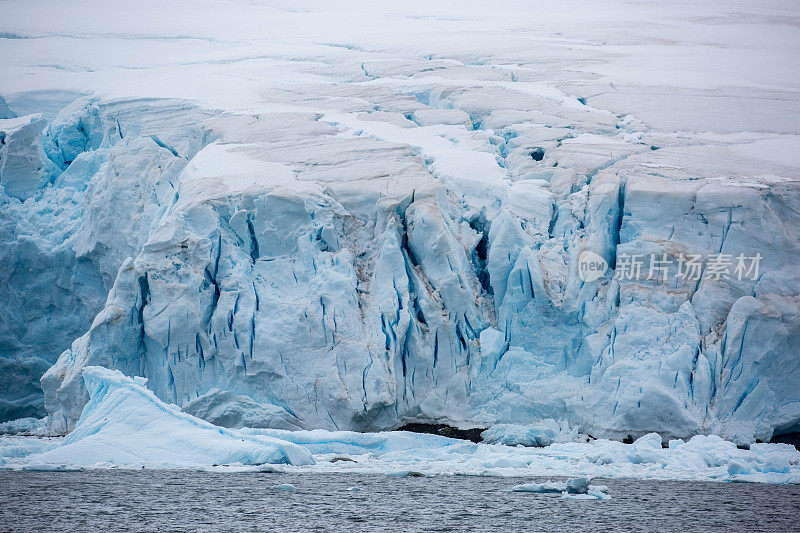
x=383 y=236
x=60 y=251
x=342 y=281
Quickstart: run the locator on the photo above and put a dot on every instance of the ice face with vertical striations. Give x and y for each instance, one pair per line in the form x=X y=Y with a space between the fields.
x=66 y=236
x=365 y=233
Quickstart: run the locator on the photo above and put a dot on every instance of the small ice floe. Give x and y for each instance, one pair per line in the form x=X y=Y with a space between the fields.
x=594 y=493
x=406 y=473
x=547 y=486
x=579 y=489
x=578 y=485
x=284 y=486
x=267 y=469
x=354 y=489
x=574 y=489
x=46 y=467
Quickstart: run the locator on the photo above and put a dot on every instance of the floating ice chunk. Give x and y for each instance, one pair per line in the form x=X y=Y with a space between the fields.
x=269 y=469
x=573 y=489
x=579 y=489
x=676 y=443
x=578 y=485
x=285 y=486
x=703 y=457
x=25 y=426
x=593 y=493
x=44 y=467
x=735 y=467
x=543 y=433
x=547 y=486
x=651 y=440
x=125 y=424
x=14 y=447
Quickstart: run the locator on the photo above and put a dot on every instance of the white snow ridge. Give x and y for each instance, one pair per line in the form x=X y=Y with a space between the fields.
x=247 y=233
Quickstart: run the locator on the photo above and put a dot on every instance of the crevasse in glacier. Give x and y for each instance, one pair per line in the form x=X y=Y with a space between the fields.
x=409 y=254
x=67 y=222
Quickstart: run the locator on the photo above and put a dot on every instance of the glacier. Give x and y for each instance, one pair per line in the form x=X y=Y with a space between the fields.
x=347 y=233
x=309 y=295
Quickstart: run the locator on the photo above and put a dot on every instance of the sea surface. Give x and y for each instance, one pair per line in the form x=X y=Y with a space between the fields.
x=162 y=501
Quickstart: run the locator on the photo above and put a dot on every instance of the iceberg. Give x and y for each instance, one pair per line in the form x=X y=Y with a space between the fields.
x=125 y=424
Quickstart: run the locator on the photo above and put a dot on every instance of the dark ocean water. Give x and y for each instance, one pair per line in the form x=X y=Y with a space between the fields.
x=199 y=501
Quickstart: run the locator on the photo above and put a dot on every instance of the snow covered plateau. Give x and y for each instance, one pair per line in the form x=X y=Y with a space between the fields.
x=287 y=216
